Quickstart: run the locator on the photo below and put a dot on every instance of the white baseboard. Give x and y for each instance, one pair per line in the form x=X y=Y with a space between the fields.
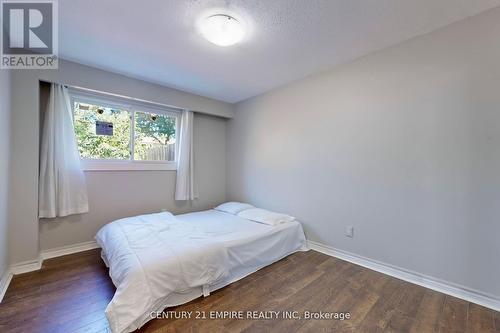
x=26 y=266
x=439 y=285
x=19 y=268
x=70 y=249
x=34 y=265
x=4 y=283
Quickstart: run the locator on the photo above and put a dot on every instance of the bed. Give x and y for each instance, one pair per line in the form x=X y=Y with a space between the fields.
x=161 y=260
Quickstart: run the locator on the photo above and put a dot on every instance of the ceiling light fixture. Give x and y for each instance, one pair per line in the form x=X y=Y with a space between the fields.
x=222 y=29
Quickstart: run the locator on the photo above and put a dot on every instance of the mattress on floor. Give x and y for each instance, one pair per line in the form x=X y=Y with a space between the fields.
x=248 y=246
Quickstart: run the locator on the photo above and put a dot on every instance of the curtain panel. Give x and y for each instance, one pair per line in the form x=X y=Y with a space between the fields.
x=185 y=186
x=62 y=187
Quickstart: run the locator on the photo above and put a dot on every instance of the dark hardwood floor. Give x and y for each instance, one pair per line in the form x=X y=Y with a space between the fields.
x=69 y=294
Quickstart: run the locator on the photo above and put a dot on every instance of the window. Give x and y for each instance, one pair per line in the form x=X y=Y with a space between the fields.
x=115 y=135
x=154 y=137
x=113 y=144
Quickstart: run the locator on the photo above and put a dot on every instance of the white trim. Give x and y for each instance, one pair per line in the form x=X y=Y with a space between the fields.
x=121 y=99
x=114 y=165
x=4 y=283
x=26 y=266
x=426 y=281
x=70 y=249
x=439 y=285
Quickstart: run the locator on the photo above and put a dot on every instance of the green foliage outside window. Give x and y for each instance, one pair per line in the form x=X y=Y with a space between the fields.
x=154 y=137
x=154 y=134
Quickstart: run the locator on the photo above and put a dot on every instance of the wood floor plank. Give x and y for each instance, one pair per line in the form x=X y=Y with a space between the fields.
x=399 y=322
x=454 y=316
x=306 y=299
x=382 y=311
x=429 y=312
x=411 y=300
x=69 y=295
x=496 y=316
x=480 y=319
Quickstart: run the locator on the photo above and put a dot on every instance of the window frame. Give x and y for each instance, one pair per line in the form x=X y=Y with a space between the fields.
x=130 y=106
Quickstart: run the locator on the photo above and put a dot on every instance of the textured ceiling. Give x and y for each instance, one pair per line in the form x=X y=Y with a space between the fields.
x=156 y=40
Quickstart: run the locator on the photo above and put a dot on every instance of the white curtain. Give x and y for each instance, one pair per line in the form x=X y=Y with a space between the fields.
x=185 y=187
x=62 y=189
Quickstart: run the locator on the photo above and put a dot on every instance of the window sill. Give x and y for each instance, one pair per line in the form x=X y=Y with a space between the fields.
x=99 y=165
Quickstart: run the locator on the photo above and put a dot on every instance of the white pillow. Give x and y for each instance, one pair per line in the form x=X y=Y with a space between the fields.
x=265 y=216
x=233 y=207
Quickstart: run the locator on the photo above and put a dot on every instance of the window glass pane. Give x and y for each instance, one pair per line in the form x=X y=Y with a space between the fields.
x=102 y=132
x=154 y=137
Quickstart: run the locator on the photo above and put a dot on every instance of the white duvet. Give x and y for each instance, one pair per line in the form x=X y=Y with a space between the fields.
x=152 y=256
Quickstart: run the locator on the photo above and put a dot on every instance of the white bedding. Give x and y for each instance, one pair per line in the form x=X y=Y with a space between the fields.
x=159 y=260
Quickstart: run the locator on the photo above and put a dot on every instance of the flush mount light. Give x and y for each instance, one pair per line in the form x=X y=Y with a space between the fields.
x=222 y=30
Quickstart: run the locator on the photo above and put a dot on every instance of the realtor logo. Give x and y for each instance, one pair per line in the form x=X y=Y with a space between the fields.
x=29 y=34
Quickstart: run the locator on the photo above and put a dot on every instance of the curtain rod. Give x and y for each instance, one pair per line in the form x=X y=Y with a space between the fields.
x=118 y=95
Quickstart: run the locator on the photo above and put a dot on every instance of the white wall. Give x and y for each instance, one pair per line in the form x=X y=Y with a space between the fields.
x=23 y=199
x=403 y=144
x=4 y=165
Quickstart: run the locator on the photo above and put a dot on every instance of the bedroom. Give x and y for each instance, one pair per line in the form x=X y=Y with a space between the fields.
x=279 y=165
